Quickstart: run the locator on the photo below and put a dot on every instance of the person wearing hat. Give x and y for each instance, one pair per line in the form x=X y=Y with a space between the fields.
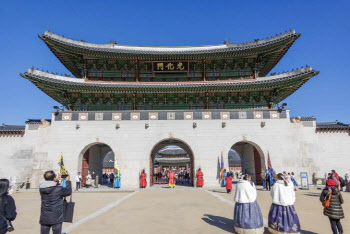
x=200 y=180
x=334 y=211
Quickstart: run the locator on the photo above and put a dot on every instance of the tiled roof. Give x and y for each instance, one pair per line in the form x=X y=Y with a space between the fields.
x=172 y=151
x=332 y=126
x=12 y=129
x=36 y=121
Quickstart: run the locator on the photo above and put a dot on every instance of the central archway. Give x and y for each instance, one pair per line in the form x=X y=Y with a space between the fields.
x=251 y=160
x=183 y=150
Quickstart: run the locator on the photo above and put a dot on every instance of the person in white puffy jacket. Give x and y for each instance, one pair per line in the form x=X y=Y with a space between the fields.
x=282 y=216
x=247 y=213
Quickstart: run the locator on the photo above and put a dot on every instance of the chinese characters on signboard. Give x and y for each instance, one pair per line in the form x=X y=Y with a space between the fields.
x=170 y=66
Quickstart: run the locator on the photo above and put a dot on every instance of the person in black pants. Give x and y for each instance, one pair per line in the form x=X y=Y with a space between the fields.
x=7 y=205
x=52 y=194
x=334 y=211
x=268 y=182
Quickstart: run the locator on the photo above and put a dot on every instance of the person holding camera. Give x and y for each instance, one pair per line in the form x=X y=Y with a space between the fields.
x=7 y=207
x=52 y=194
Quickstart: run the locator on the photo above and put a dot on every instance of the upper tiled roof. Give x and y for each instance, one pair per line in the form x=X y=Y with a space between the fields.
x=303 y=118
x=128 y=49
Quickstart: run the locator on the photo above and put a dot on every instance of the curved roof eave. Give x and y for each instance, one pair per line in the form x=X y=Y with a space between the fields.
x=129 y=49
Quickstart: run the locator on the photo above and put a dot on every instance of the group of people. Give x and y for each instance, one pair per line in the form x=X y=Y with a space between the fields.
x=269 y=178
x=182 y=175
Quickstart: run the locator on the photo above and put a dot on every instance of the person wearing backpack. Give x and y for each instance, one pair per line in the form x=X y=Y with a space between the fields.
x=332 y=201
x=7 y=206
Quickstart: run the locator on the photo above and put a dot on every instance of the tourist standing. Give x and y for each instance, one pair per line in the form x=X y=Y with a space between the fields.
x=334 y=211
x=228 y=183
x=143 y=179
x=268 y=180
x=111 y=179
x=247 y=213
x=172 y=180
x=52 y=194
x=282 y=216
x=200 y=180
x=77 y=181
x=88 y=180
x=93 y=180
x=7 y=205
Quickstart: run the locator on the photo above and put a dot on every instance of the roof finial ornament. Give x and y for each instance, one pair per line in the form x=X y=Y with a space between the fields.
x=227 y=42
x=113 y=42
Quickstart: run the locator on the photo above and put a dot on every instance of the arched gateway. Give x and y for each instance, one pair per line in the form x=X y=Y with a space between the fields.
x=182 y=159
x=251 y=158
x=98 y=158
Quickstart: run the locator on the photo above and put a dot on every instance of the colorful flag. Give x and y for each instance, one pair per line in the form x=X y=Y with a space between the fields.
x=116 y=166
x=61 y=164
x=222 y=166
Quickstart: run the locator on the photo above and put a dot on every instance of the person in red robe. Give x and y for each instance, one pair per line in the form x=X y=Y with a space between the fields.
x=143 y=179
x=172 y=180
x=228 y=183
x=200 y=180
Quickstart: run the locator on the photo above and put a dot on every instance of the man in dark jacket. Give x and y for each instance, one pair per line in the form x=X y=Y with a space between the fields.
x=52 y=195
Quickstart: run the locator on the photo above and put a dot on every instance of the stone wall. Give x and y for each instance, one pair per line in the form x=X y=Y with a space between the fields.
x=292 y=146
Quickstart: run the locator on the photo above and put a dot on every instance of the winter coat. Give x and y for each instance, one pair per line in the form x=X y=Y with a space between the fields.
x=8 y=210
x=52 y=201
x=334 y=211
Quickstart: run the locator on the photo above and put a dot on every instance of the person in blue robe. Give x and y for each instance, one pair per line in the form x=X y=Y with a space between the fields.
x=117 y=180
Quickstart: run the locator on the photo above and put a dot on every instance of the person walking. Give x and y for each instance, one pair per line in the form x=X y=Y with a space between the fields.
x=200 y=180
x=77 y=181
x=247 y=213
x=52 y=194
x=282 y=216
x=334 y=211
x=228 y=181
x=7 y=205
x=143 y=179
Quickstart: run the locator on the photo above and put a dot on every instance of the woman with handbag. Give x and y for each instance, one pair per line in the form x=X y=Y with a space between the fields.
x=7 y=207
x=332 y=200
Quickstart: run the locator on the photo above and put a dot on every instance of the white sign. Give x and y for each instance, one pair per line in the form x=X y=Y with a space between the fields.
x=304 y=180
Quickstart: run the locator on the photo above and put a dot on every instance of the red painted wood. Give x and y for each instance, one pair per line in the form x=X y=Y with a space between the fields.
x=257 y=162
x=85 y=167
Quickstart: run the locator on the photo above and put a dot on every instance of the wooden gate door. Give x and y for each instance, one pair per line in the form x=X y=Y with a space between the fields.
x=257 y=162
x=85 y=167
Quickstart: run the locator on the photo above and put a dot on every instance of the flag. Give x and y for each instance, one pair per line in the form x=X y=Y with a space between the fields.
x=269 y=166
x=61 y=164
x=222 y=166
x=116 y=166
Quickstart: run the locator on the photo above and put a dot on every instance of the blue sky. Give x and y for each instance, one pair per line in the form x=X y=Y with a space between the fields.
x=324 y=44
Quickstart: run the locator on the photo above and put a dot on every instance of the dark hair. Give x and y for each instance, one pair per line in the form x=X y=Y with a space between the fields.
x=280 y=176
x=4 y=187
x=49 y=175
x=246 y=176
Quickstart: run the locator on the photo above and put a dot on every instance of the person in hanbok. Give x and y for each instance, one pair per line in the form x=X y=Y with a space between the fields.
x=228 y=183
x=293 y=180
x=117 y=180
x=283 y=217
x=247 y=213
x=224 y=175
x=172 y=180
x=200 y=180
x=88 y=180
x=143 y=179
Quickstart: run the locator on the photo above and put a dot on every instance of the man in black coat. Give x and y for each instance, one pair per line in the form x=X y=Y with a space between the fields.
x=52 y=195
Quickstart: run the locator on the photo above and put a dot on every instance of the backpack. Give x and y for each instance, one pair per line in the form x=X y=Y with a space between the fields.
x=342 y=181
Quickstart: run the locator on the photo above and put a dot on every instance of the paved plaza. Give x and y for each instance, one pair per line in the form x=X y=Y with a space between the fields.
x=162 y=210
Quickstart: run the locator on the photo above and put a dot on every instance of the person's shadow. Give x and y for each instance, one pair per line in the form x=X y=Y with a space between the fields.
x=220 y=222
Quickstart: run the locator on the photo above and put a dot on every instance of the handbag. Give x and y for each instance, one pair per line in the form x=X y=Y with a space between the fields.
x=68 y=208
x=10 y=227
x=327 y=202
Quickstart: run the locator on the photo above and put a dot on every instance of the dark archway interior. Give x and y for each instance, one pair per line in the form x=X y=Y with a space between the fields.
x=250 y=160
x=171 y=143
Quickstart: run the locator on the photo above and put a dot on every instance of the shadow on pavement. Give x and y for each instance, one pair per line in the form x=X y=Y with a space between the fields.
x=312 y=194
x=220 y=222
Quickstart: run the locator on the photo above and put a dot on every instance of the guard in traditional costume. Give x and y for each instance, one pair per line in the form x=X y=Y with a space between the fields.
x=247 y=214
x=224 y=175
x=143 y=179
x=200 y=180
x=117 y=180
x=172 y=180
x=282 y=216
x=228 y=180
